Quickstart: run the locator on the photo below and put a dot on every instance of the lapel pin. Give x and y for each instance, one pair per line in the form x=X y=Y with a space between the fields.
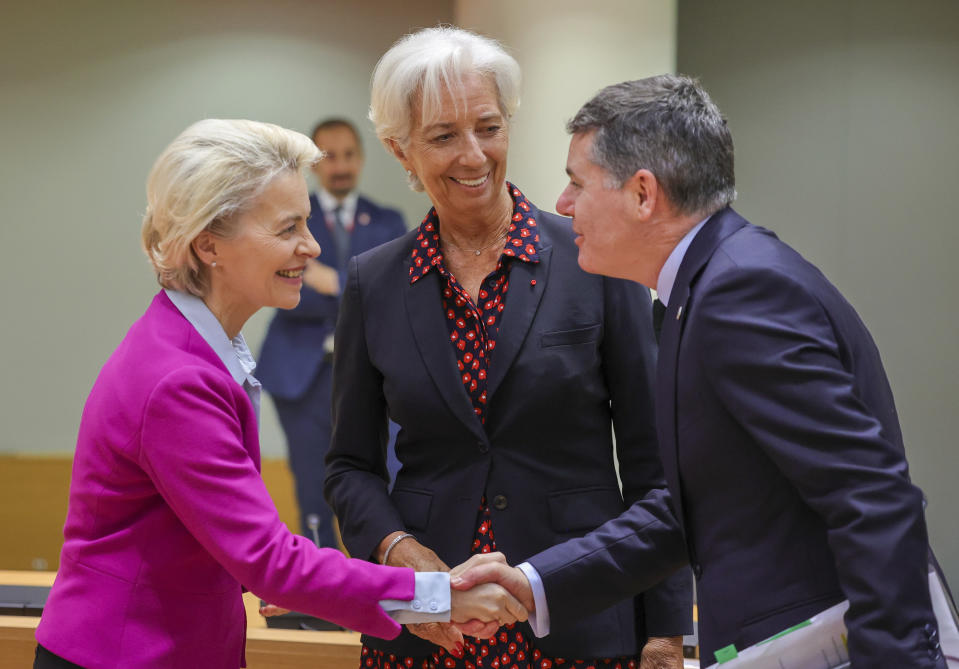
x=679 y=312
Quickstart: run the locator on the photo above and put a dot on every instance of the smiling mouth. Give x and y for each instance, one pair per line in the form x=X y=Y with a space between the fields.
x=291 y=273
x=473 y=183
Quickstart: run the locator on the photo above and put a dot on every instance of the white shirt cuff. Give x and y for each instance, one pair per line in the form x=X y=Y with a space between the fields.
x=538 y=619
x=430 y=603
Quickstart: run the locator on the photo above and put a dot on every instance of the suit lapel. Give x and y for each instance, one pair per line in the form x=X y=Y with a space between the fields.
x=707 y=240
x=666 y=368
x=432 y=340
x=527 y=282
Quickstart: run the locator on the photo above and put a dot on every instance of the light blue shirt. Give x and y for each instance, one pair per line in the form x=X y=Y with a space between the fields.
x=667 y=275
x=234 y=353
x=431 y=600
x=539 y=620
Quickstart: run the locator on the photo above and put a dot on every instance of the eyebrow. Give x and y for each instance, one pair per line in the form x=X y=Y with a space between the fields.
x=449 y=124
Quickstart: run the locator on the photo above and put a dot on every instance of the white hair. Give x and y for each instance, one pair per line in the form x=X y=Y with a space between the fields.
x=421 y=66
x=211 y=172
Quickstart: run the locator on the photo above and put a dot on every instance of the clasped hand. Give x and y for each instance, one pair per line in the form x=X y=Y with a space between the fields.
x=479 y=605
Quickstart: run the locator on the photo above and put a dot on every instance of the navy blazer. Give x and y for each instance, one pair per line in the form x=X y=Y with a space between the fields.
x=292 y=353
x=784 y=458
x=574 y=354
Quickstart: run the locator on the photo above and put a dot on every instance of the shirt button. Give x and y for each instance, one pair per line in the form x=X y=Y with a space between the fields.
x=434 y=606
x=416 y=605
x=499 y=502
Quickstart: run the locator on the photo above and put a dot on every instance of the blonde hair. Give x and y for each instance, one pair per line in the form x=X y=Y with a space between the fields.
x=421 y=66
x=211 y=172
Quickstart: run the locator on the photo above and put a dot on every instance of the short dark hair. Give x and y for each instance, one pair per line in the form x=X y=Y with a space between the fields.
x=668 y=125
x=337 y=122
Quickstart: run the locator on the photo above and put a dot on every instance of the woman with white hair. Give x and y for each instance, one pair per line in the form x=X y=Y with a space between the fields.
x=168 y=517
x=505 y=365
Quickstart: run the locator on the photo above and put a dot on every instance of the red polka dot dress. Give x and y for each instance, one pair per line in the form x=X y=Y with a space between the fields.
x=472 y=333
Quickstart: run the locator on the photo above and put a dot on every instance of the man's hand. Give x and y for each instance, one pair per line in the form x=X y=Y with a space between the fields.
x=662 y=653
x=488 y=603
x=492 y=568
x=321 y=278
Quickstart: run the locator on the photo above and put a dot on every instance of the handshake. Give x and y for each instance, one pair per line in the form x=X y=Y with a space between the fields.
x=485 y=593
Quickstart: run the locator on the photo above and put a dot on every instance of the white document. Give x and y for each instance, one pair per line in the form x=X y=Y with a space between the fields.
x=820 y=642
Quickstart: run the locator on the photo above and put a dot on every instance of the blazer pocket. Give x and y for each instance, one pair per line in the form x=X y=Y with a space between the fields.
x=584 y=335
x=583 y=509
x=414 y=507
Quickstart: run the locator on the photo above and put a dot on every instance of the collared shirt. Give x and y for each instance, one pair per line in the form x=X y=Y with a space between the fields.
x=431 y=599
x=473 y=326
x=667 y=275
x=328 y=204
x=234 y=353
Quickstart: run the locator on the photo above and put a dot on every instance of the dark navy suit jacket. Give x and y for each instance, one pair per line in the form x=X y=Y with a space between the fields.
x=292 y=353
x=574 y=354
x=785 y=463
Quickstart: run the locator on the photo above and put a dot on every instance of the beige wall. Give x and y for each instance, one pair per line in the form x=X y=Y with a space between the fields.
x=844 y=118
x=568 y=50
x=91 y=94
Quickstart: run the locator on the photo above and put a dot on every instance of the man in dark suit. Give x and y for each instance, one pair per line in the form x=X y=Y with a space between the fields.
x=777 y=428
x=296 y=361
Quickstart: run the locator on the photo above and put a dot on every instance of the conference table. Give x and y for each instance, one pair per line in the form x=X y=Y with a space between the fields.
x=266 y=648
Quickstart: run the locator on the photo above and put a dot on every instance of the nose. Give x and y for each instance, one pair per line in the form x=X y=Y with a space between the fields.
x=308 y=246
x=473 y=155
x=564 y=205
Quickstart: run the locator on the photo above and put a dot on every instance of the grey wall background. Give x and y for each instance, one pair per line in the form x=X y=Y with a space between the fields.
x=91 y=93
x=844 y=115
x=843 y=112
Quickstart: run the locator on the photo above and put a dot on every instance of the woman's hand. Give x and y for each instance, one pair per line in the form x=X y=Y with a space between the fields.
x=411 y=553
x=270 y=610
x=662 y=653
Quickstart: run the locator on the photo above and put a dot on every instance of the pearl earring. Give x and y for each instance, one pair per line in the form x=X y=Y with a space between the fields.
x=409 y=173
x=213 y=264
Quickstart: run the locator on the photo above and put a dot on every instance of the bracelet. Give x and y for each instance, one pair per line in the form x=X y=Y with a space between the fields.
x=386 y=553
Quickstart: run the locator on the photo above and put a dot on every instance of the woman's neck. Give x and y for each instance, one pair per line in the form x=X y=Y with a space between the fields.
x=474 y=230
x=230 y=314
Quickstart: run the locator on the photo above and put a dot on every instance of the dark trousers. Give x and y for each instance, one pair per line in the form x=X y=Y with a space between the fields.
x=44 y=659
x=307 y=424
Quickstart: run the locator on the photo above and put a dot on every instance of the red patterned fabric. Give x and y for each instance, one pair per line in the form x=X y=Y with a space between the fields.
x=473 y=327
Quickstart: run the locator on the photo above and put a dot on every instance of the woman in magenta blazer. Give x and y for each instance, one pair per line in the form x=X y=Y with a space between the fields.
x=168 y=517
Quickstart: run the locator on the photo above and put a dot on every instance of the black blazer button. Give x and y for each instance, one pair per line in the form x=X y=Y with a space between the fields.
x=698 y=571
x=482 y=446
x=499 y=502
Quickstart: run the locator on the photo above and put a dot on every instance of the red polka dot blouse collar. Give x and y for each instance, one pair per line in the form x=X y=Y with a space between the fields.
x=522 y=240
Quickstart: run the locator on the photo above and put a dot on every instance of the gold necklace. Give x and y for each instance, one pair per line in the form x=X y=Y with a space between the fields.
x=498 y=238
x=478 y=251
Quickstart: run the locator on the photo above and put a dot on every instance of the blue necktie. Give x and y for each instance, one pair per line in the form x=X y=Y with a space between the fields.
x=341 y=238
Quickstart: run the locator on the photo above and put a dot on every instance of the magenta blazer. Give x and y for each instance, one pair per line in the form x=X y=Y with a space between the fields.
x=169 y=517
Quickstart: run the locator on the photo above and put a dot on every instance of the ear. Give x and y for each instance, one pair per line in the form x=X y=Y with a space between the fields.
x=646 y=193
x=205 y=247
x=394 y=147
